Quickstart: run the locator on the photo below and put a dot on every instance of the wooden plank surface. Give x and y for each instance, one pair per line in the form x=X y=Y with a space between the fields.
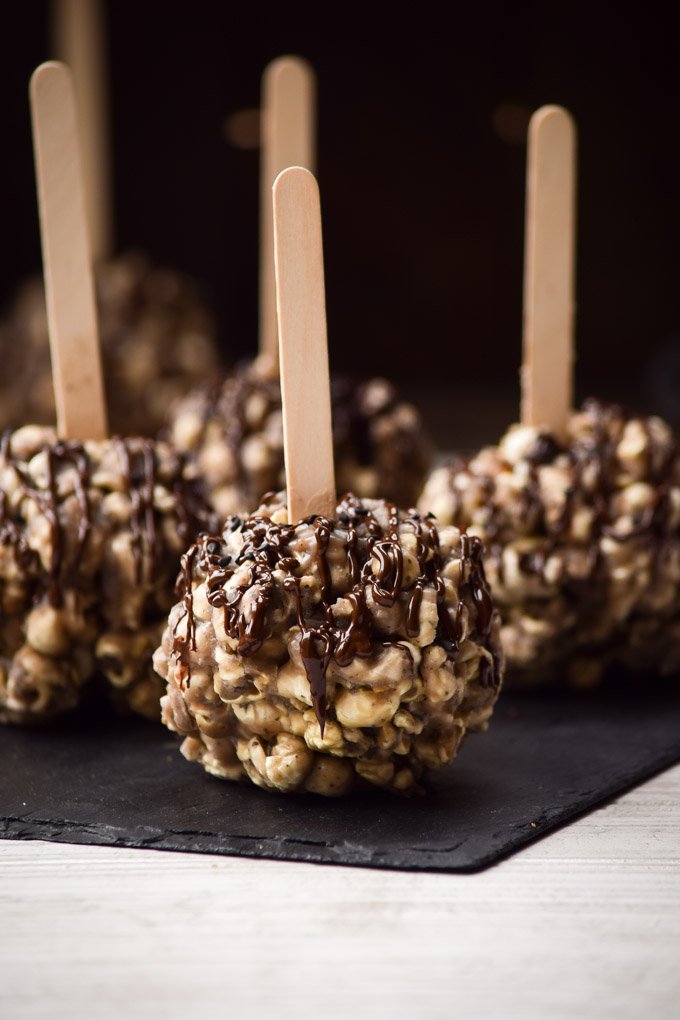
x=585 y=923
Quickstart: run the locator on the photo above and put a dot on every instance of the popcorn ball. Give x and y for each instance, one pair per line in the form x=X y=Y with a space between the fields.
x=330 y=654
x=582 y=542
x=157 y=339
x=232 y=434
x=91 y=536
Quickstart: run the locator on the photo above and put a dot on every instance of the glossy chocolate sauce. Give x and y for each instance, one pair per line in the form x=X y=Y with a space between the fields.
x=373 y=558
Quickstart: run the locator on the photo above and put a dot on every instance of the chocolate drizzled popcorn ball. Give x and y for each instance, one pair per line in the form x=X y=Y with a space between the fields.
x=233 y=436
x=582 y=542
x=157 y=340
x=91 y=536
x=329 y=654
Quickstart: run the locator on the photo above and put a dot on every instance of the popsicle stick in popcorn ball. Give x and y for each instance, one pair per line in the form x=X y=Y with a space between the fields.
x=232 y=432
x=91 y=529
x=321 y=645
x=547 y=369
x=301 y=310
x=157 y=336
x=579 y=510
x=67 y=263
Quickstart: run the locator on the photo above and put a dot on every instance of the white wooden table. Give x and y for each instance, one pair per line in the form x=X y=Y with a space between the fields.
x=585 y=923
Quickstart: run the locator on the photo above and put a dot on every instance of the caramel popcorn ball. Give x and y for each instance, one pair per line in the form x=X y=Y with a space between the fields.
x=582 y=543
x=326 y=655
x=233 y=436
x=157 y=341
x=91 y=537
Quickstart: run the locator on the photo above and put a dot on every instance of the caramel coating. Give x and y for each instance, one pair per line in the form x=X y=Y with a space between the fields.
x=91 y=537
x=233 y=436
x=157 y=340
x=330 y=654
x=582 y=539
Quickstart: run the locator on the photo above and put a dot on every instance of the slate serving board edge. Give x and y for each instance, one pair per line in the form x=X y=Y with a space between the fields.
x=318 y=852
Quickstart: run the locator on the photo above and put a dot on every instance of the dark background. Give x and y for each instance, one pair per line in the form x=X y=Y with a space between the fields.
x=421 y=165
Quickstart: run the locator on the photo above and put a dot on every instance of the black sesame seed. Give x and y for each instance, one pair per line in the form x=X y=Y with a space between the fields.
x=361 y=511
x=311 y=518
x=225 y=561
x=431 y=516
x=343 y=518
x=212 y=548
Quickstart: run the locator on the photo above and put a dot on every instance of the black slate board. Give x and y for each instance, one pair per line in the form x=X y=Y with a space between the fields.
x=546 y=759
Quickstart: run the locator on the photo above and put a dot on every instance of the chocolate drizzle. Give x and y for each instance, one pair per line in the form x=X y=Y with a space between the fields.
x=57 y=456
x=316 y=648
x=12 y=536
x=365 y=559
x=184 y=645
x=387 y=584
x=139 y=471
x=593 y=469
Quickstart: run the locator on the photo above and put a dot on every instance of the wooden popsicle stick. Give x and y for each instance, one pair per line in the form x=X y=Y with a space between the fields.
x=79 y=41
x=288 y=138
x=303 y=346
x=71 y=314
x=549 y=308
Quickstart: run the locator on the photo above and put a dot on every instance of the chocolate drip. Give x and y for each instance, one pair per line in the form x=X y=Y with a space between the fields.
x=351 y=551
x=325 y=632
x=356 y=639
x=322 y=534
x=413 y=607
x=449 y=632
x=473 y=584
x=471 y=549
x=315 y=652
x=316 y=648
x=183 y=645
x=388 y=582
